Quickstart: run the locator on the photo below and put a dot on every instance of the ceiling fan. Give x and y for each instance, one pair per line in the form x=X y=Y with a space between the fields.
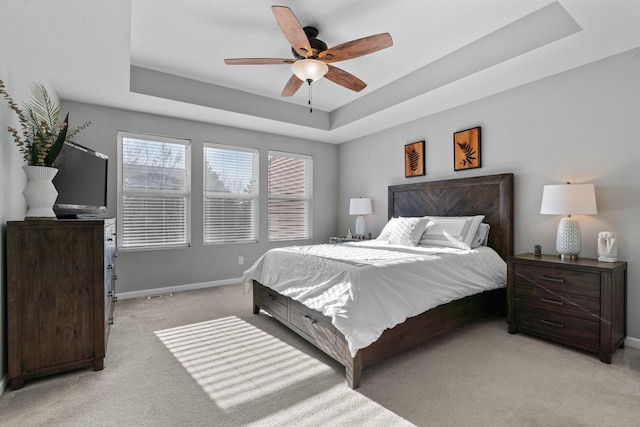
x=312 y=58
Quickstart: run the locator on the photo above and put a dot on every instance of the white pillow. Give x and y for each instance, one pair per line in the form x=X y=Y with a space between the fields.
x=408 y=231
x=388 y=228
x=451 y=231
x=482 y=236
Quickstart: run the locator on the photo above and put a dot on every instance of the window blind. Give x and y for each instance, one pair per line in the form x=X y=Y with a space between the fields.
x=290 y=196
x=230 y=194
x=153 y=191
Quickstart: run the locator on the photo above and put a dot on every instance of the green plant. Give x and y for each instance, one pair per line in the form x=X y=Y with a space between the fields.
x=42 y=133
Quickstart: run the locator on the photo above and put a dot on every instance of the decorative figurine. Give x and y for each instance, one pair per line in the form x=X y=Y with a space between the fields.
x=607 y=247
x=349 y=235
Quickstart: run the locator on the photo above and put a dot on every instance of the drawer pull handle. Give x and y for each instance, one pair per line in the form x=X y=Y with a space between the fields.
x=549 y=322
x=551 y=301
x=310 y=320
x=272 y=297
x=552 y=279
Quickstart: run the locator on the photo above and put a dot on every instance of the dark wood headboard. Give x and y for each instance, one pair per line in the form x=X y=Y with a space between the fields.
x=491 y=196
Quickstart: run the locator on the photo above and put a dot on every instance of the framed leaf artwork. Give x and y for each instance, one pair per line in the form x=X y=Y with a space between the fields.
x=414 y=159
x=466 y=149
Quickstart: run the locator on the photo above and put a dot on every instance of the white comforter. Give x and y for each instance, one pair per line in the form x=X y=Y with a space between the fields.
x=367 y=287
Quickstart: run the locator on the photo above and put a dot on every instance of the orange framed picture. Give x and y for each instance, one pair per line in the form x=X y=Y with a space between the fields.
x=414 y=159
x=466 y=149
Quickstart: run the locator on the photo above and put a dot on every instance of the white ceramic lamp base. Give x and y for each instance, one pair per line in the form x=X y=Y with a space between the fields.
x=568 y=239
x=361 y=228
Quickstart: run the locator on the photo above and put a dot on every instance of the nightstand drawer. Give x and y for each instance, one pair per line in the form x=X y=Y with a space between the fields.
x=565 y=329
x=559 y=279
x=565 y=303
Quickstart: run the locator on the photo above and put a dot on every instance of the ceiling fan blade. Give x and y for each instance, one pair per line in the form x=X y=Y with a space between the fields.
x=257 y=61
x=292 y=30
x=292 y=86
x=345 y=79
x=356 y=48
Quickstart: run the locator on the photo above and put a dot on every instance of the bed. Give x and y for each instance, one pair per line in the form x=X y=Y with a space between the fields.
x=491 y=195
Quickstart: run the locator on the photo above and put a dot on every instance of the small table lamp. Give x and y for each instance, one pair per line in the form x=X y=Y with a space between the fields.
x=360 y=206
x=569 y=199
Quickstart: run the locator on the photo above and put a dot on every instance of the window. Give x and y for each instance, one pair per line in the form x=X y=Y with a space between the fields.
x=230 y=194
x=290 y=188
x=153 y=191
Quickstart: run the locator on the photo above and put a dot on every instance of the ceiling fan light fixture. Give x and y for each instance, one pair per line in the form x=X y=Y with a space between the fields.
x=309 y=69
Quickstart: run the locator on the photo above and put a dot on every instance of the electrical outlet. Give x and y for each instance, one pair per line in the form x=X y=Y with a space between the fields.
x=240 y=260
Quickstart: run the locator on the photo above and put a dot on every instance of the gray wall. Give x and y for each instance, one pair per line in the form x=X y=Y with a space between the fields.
x=199 y=264
x=580 y=126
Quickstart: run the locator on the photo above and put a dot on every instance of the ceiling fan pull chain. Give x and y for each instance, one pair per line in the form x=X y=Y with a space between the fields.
x=310 y=105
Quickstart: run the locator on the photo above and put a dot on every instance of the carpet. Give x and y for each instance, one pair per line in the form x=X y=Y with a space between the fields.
x=202 y=358
x=241 y=367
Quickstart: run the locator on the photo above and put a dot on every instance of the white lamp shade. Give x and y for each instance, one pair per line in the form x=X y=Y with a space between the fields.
x=569 y=199
x=360 y=206
x=309 y=69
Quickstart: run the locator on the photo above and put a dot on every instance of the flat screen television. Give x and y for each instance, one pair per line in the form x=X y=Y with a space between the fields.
x=81 y=182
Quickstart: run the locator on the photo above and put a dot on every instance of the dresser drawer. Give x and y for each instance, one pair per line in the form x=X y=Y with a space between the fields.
x=271 y=301
x=559 y=279
x=564 y=303
x=565 y=329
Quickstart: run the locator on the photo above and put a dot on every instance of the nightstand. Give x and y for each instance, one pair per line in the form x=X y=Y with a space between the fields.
x=335 y=240
x=578 y=303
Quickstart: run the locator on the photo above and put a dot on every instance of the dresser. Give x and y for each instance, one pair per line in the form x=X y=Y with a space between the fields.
x=60 y=295
x=579 y=303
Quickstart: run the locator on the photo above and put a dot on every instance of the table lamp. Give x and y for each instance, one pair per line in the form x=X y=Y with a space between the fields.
x=569 y=199
x=360 y=206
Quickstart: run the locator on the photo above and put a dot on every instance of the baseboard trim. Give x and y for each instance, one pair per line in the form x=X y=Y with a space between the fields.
x=169 y=289
x=632 y=342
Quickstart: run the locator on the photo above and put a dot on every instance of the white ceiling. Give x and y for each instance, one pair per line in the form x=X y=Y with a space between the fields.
x=445 y=53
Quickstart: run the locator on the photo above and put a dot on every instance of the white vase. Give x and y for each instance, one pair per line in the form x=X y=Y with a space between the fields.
x=40 y=192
